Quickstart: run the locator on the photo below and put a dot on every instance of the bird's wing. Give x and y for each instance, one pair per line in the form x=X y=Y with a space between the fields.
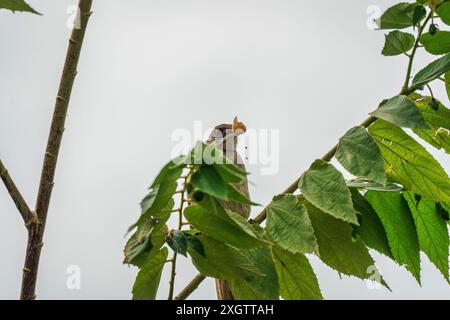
x=240 y=208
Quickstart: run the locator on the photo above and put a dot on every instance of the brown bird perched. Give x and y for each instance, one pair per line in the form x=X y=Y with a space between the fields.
x=225 y=138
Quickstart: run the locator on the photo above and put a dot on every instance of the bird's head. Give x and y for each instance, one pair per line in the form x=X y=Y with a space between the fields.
x=225 y=136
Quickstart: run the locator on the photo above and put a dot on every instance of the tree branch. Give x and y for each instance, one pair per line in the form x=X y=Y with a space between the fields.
x=15 y=194
x=186 y=292
x=36 y=231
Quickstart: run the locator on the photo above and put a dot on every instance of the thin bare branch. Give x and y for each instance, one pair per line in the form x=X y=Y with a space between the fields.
x=186 y=292
x=36 y=230
x=15 y=194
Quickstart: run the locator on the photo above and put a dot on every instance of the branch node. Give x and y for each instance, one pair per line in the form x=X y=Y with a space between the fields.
x=48 y=154
x=61 y=99
x=72 y=41
x=34 y=219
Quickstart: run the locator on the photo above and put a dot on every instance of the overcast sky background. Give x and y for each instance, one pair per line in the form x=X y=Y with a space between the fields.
x=311 y=69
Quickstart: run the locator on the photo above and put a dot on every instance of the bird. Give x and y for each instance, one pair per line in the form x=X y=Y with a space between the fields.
x=225 y=138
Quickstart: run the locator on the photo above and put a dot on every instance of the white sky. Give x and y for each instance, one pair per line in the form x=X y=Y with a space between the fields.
x=311 y=69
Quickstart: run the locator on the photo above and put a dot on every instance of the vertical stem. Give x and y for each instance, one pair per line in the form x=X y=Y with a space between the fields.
x=36 y=230
x=175 y=255
x=172 y=276
x=414 y=50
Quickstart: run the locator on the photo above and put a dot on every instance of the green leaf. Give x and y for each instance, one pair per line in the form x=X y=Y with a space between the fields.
x=208 y=180
x=296 y=276
x=148 y=278
x=194 y=243
x=178 y=242
x=171 y=171
x=17 y=5
x=432 y=231
x=439 y=122
x=439 y=118
x=233 y=194
x=443 y=12
x=438 y=138
x=146 y=241
x=230 y=173
x=399 y=16
x=221 y=227
x=419 y=14
x=431 y=72
x=212 y=205
x=261 y=287
x=209 y=155
x=222 y=261
x=157 y=203
x=408 y=163
x=359 y=154
x=325 y=188
x=398 y=42
x=136 y=247
x=369 y=185
x=252 y=229
x=394 y=213
x=438 y=43
x=337 y=248
x=289 y=226
x=401 y=111
x=371 y=230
